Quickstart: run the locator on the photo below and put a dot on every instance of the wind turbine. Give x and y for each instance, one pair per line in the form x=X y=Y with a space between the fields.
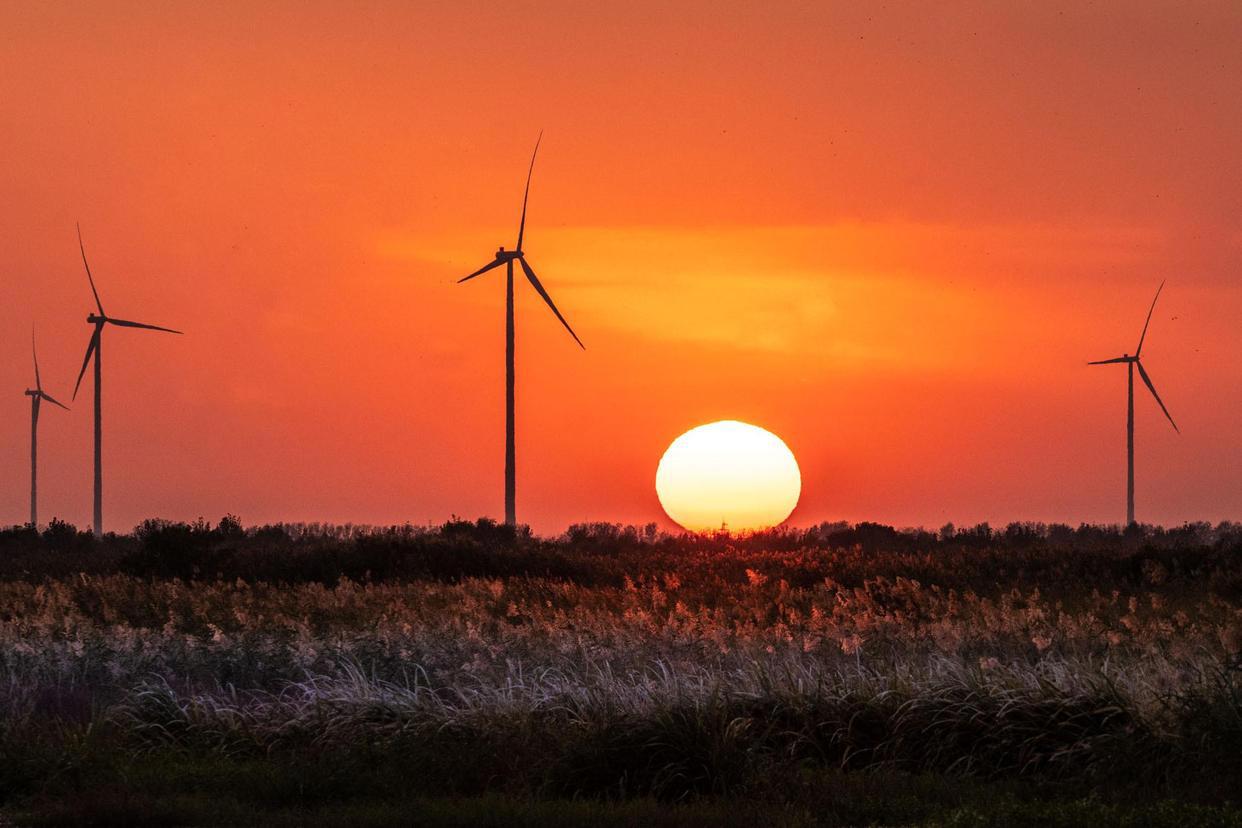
x=94 y=349
x=1133 y=362
x=37 y=396
x=507 y=258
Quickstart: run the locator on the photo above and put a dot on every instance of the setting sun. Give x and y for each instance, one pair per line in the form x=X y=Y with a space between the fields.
x=728 y=475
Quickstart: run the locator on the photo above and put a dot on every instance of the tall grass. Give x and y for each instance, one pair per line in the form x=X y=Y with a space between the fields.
x=621 y=663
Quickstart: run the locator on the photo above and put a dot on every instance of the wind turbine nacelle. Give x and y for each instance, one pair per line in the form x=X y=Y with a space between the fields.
x=508 y=255
x=95 y=320
x=30 y=393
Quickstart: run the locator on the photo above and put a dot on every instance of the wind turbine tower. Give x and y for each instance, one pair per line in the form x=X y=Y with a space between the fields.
x=37 y=396
x=94 y=349
x=507 y=258
x=1131 y=363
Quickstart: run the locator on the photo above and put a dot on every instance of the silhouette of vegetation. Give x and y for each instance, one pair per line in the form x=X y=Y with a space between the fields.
x=842 y=674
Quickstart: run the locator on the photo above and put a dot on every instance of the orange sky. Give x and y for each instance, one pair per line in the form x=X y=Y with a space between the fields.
x=892 y=236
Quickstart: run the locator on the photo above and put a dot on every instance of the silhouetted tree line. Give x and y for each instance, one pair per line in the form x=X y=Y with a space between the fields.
x=603 y=554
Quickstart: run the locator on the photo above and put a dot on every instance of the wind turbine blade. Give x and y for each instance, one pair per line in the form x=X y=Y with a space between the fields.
x=90 y=350
x=127 y=324
x=481 y=270
x=534 y=280
x=1139 y=350
x=526 y=195
x=1108 y=361
x=1152 y=389
x=48 y=397
x=81 y=247
x=35 y=352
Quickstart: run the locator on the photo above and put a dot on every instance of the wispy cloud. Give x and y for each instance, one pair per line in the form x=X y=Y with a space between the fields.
x=910 y=297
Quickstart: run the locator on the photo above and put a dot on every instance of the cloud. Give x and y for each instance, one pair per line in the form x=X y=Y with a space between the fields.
x=897 y=296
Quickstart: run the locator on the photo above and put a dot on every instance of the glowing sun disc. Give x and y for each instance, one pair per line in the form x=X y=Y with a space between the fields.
x=728 y=474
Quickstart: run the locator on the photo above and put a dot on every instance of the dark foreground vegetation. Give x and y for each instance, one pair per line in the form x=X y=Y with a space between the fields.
x=469 y=674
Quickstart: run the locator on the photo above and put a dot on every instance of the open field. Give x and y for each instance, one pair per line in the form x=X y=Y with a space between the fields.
x=840 y=675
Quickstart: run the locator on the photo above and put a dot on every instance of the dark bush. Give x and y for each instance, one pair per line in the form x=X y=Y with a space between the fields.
x=1088 y=557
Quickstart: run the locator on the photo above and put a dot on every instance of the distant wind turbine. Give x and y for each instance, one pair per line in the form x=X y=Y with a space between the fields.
x=507 y=258
x=1133 y=362
x=37 y=396
x=94 y=349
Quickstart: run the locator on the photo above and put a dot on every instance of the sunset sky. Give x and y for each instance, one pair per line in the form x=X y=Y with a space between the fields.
x=892 y=235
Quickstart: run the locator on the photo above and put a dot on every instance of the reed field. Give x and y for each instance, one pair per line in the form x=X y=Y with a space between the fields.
x=468 y=673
